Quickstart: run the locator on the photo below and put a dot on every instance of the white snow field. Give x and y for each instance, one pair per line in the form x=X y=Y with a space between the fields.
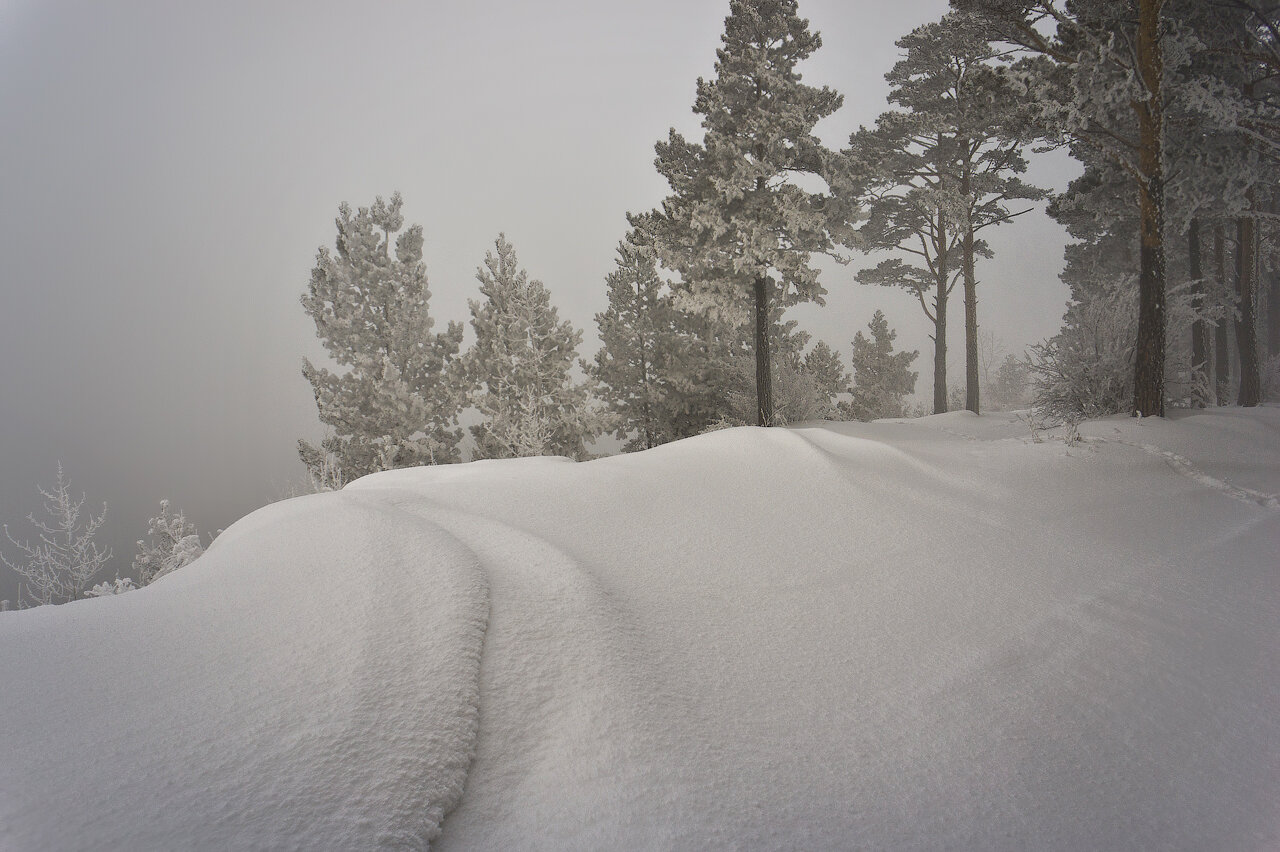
x=920 y=635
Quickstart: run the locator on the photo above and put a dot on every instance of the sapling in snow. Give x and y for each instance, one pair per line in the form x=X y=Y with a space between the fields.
x=59 y=563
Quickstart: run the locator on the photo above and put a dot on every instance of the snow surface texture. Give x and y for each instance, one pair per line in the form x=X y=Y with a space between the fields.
x=927 y=634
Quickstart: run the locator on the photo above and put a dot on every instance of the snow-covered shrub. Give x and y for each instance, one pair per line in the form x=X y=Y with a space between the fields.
x=324 y=469
x=1087 y=369
x=117 y=587
x=1012 y=384
x=174 y=543
x=797 y=396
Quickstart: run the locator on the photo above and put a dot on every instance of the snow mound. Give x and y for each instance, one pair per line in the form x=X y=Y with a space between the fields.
x=310 y=683
x=943 y=633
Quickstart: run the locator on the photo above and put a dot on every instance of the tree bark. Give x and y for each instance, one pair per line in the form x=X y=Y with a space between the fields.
x=1199 y=330
x=646 y=411
x=764 y=378
x=1246 y=329
x=1222 y=348
x=1148 y=376
x=972 y=391
x=940 y=322
x=1273 y=315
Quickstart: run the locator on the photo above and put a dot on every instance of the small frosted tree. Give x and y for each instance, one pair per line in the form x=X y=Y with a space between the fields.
x=519 y=368
x=397 y=404
x=823 y=367
x=172 y=542
x=882 y=380
x=639 y=339
x=58 y=565
x=1012 y=381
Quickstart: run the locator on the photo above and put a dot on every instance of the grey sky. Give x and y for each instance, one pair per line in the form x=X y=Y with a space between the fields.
x=169 y=169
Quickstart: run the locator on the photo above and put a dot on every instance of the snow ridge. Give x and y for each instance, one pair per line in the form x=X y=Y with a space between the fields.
x=312 y=682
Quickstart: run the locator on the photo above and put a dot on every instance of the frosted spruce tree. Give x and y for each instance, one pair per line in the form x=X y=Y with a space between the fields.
x=822 y=365
x=737 y=226
x=519 y=368
x=58 y=565
x=398 y=401
x=882 y=380
x=639 y=347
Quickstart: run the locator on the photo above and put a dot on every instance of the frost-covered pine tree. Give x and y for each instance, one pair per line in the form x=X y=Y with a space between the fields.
x=882 y=380
x=937 y=171
x=638 y=341
x=1099 y=75
x=824 y=368
x=58 y=565
x=949 y=84
x=172 y=542
x=738 y=227
x=397 y=403
x=519 y=368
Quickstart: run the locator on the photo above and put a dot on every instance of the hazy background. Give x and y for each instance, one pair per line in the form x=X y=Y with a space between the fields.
x=167 y=172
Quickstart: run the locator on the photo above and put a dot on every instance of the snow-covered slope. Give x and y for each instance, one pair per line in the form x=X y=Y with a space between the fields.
x=927 y=634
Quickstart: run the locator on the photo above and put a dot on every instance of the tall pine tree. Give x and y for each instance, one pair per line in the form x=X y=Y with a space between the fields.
x=938 y=171
x=519 y=368
x=1099 y=74
x=397 y=404
x=738 y=227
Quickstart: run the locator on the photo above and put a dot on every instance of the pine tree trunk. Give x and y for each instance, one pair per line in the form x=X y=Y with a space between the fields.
x=764 y=379
x=1222 y=348
x=1273 y=315
x=646 y=411
x=971 y=388
x=970 y=328
x=1148 y=376
x=1246 y=329
x=940 y=322
x=1199 y=331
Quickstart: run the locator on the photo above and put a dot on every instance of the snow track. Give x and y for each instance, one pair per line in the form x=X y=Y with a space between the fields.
x=1183 y=465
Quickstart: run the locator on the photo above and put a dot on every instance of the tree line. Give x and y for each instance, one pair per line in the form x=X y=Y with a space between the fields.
x=1172 y=108
x=1169 y=105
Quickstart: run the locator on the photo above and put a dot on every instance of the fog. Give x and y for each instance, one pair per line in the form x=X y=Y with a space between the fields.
x=169 y=171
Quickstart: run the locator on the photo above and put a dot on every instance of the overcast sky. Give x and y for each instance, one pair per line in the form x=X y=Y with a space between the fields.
x=169 y=170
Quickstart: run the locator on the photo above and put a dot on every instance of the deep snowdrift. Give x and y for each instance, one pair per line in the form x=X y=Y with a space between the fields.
x=926 y=634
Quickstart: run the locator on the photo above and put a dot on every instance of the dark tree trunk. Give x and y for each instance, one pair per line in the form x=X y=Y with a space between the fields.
x=646 y=408
x=1246 y=329
x=1199 y=329
x=1273 y=315
x=940 y=322
x=1148 y=376
x=971 y=389
x=1221 y=346
x=764 y=378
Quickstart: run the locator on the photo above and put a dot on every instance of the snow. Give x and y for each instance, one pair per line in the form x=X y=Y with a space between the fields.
x=938 y=633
